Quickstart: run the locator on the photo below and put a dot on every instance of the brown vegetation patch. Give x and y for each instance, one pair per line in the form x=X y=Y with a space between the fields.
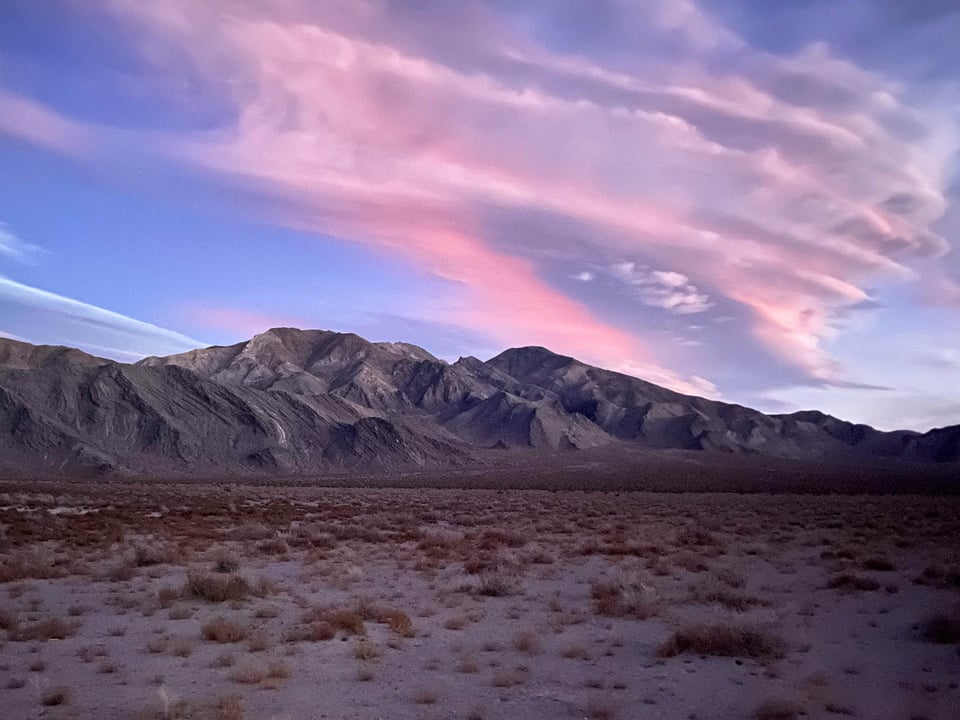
x=221 y=630
x=724 y=641
x=849 y=582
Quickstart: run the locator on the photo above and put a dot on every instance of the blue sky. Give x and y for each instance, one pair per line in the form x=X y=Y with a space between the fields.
x=751 y=201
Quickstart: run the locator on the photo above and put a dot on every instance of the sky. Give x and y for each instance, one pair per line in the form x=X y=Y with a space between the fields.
x=751 y=201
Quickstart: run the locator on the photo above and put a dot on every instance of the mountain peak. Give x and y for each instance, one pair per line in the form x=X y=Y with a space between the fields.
x=523 y=362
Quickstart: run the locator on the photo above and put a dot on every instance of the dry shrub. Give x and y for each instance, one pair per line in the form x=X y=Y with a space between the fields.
x=399 y=622
x=251 y=531
x=526 y=641
x=181 y=648
x=8 y=620
x=937 y=576
x=724 y=641
x=777 y=710
x=216 y=588
x=425 y=696
x=161 y=554
x=229 y=707
x=459 y=622
x=715 y=590
x=320 y=631
x=221 y=630
x=509 y=678
x=943 y=628
x=258 y=642
x=89 y=653
x=626 y=595
x=167 y=596
x=274 y=546
x=247 y=675
x=347 y=620
x=278 y=669
x=223 y=660
x=690 y=561
x=46 y=629
x=55 y=696
x=575 y=652
x=500 y=582
x=468 y=664
x=224 y=562
x=697 y=536
x=122 y=571
x=602 y=710
x=158 y=645
x=849 y=582
x=365 y=650
x=880 y=564
x=28 y=566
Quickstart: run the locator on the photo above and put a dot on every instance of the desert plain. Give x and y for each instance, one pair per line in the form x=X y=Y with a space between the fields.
x=225 y=601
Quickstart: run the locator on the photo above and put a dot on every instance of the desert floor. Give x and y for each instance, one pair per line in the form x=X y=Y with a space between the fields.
x=236 y=601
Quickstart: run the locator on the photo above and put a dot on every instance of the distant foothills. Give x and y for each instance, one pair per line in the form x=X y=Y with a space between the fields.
x=300 y=401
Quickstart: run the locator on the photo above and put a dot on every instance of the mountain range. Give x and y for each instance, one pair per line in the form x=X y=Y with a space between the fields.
x=300 y=401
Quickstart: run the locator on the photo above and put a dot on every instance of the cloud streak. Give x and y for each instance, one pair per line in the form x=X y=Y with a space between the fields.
x=44 y=317
x=14 y=248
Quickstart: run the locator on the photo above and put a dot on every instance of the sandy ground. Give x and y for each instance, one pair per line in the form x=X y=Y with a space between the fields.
x=229 y=602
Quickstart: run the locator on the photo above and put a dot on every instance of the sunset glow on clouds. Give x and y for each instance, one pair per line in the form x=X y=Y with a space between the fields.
x=656 y=187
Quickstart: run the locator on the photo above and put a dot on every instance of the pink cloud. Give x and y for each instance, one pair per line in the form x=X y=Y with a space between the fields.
x=403 y=136
x=27 y=120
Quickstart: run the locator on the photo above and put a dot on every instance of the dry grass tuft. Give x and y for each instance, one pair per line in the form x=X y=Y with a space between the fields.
x=216 y=588
x=247 y=675
x=509 y=678
x=167 y=596
x=626 y=595
x=849 y=582
x=279 y=669
x=145 y=556
x=8 y=620
x=365 y=650
x=526 y=641
x=500 y=582
x=937 y=576
x=347 y=620
x=943 y=628
x=55 y=696
x=46 y=629
x=724 y=641
x=181 y=648
x=399 y=622
x=229 y=707
x=777 y=710
x=425 y=696
x=575 y=652
x=880 y=564
x=221 y=630
x=602 y=710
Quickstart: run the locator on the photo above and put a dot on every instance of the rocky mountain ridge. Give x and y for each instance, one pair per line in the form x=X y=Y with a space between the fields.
x=301 y=401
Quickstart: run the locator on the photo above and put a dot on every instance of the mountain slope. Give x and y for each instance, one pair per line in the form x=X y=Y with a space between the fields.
x=303 y=401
